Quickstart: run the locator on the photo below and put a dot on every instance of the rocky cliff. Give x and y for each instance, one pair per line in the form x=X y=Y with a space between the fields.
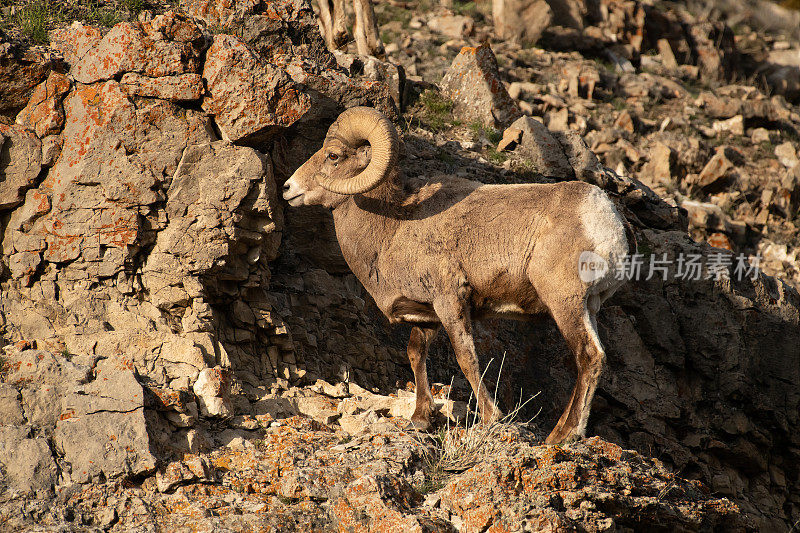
x=165 y=318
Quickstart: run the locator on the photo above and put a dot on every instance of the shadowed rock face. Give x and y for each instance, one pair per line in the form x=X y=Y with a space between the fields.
x=143 y=246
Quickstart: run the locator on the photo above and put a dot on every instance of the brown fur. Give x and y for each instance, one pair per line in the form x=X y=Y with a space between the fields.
x=453 y=250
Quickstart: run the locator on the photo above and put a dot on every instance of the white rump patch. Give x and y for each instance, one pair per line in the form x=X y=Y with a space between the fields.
x=605 y=230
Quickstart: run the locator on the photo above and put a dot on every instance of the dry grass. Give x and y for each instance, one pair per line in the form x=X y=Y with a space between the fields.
x=457 y=448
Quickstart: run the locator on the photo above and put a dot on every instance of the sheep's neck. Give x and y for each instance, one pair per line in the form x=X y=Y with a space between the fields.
x=364 y=225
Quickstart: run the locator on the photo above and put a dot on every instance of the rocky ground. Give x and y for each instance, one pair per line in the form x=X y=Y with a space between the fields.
x=165 y=319
x=327 y=457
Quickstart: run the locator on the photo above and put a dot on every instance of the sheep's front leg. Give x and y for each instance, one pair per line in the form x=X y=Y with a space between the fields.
x=418 y=343
x=455 y=318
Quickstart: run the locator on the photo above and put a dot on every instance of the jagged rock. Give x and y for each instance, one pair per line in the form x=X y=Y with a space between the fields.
x=168 y=45
x=20 y=164
x=10 y=407
x=213 y=391
x=249 y=99
x=44 y=113
x=320 y=408
x=21 y=70
x=374 y=69
x=190 y=470
x=473 y=84
x=474 y=495
x=42 y=376
x=453 y=26
x=659 y=169
x=541 y=149
x=714 y=171
x=28 y=468
x=759 y=135
x=787 y=154
x=583 y=161
x=734 y=125
x=277 y=30
x=518 y=90
x=667 y=55
x=206 y=218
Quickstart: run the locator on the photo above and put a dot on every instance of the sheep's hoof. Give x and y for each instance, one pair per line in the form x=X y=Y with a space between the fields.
x=572 y=437
x=417 y=425
x=566 y=439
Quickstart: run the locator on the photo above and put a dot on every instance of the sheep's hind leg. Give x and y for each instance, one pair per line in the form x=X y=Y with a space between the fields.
x=421 y=337
x=579 y=327
x=458 y=324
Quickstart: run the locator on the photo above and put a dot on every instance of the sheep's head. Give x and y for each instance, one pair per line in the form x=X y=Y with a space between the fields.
x=358 y=154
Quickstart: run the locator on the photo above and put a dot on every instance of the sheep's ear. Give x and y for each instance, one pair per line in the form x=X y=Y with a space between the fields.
x=364 y=154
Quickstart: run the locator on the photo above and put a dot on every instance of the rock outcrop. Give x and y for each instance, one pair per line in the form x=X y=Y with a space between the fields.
x=164 y=319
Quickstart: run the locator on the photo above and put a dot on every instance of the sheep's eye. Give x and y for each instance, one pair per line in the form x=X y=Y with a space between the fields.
x=333 y=157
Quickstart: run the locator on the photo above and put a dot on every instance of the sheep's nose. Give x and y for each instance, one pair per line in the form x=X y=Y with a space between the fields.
x=286 y=186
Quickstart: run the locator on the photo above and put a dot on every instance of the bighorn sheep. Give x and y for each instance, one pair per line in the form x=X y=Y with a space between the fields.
x=452 y=250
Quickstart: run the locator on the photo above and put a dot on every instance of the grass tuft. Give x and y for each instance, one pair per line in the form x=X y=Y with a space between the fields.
x=33 y=20
x=455 y=449
x=437 y=111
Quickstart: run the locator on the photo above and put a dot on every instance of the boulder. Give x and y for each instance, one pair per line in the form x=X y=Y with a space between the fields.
x=541 y=149
x=213 y=391
x=250 y=99
x=521 y=21
x=473 y=84
x=102 y=428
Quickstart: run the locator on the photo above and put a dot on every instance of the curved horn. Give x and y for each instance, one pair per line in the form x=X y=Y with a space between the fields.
x=354 y=126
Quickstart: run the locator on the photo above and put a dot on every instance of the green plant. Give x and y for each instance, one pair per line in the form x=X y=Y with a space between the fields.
x=498 y=158
x=481 y=130
x=437 y=111
x=133 y=6
x=33 y=20
x=103 y=17
x=525 y=170
x=286 y=500
x=469 y=9
x=386 y=13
